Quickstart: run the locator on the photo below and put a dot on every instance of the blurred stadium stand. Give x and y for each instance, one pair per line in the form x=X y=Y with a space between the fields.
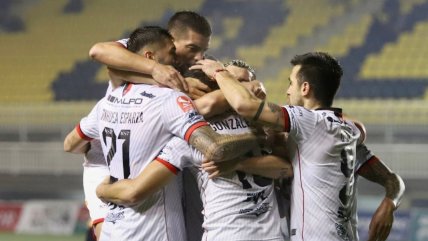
x=49 y=82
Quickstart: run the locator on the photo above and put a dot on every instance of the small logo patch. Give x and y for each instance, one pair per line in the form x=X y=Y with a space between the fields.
x=185 y=103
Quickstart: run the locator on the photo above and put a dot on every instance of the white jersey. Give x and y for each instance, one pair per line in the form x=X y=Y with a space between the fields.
x=364 y=155
x=322 y=149
x=237 y=207
x=95 y=170
x=134 y=123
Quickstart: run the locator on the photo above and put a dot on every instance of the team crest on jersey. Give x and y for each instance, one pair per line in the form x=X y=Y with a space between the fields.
x=185 y=103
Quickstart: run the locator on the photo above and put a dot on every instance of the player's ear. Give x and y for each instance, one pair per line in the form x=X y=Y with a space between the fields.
x=305 y=88
x=149 y=54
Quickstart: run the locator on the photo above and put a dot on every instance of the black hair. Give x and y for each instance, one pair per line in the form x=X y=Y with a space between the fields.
x=141 y=37
x=183 y=20
x=200 y=75
x=322 y=72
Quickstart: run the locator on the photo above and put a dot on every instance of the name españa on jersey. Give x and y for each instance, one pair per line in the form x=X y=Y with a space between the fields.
x=229 y=124
x=122 y=117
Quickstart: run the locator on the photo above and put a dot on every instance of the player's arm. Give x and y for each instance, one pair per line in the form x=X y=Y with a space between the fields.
x=118 y=77
x=270 y=166
x=75 y=143
x=376 y=171
x=216 y=147
x=114 y=55
x=130 y=191
x=241 y=99
x=215 y=103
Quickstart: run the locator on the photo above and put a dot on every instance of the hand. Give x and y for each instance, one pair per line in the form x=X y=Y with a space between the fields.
x=256 y=87
x=382 y=220
x=208 y=66
x=215 y=169
x=166 y=75
x=196 y=88
x=100 y=188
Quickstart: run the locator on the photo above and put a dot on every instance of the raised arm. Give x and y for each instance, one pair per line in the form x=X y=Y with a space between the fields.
x=114 y=55
x=131 y=191
x=376 y=171
x=214 y=103
x=241 y=99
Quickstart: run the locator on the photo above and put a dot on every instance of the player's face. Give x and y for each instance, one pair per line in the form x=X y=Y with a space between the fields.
x=190 y=47
x=241 y=74
x=294 y=95
x=166 y=54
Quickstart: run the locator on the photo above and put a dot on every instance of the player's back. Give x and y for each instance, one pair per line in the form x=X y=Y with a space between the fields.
x=239 y=206
x=135 y=122
x=322 y=149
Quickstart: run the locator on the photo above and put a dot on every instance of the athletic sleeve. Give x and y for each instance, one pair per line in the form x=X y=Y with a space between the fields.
x=177 y=153
x=123 y=42
x=299 y=122
x=180 y=115
x=363 y=155
x=88 y=126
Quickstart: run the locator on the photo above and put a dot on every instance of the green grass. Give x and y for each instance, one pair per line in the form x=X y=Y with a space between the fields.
x=26 y=237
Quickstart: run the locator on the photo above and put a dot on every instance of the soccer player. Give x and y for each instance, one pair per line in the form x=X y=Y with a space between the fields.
x=134 y=123
x=321 y=144
x=191 y=33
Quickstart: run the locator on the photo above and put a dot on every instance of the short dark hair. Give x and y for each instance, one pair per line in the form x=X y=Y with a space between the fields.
x=200 y=75
x=183 y=20
x=242 y=64
x=141 y=37
x=322 y=72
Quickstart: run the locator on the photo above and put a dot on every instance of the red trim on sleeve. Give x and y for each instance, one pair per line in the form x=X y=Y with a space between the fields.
x=286 y=119
x=81 y=134
x=168 y=165
x=193 y=128
x=366 y=165
x=97 y=221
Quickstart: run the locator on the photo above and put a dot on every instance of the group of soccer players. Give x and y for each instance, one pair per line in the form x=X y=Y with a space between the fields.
x=146 y=131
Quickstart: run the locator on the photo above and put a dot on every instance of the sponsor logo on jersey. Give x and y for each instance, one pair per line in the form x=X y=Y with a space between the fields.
x=342 y=232
x=263 y=208
x=148 y=95
x=124 y=101
x=185 y=103
x=254 y=197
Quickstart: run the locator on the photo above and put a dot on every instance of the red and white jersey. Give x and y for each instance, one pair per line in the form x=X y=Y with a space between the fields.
x=322 y=148
x=237 y=207
x=134 y=123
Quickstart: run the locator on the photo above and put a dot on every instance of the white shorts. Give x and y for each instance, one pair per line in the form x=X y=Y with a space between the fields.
x=92 y=177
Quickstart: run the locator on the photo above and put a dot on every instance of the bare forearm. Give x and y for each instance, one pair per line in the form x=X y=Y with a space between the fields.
x=130 y=191
x=132 y=77
x=378 y=172
x=116 y=56
x=120 y=192
x=240 y=99
x=212 y=104
x=267 y=166
x=217 y=147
